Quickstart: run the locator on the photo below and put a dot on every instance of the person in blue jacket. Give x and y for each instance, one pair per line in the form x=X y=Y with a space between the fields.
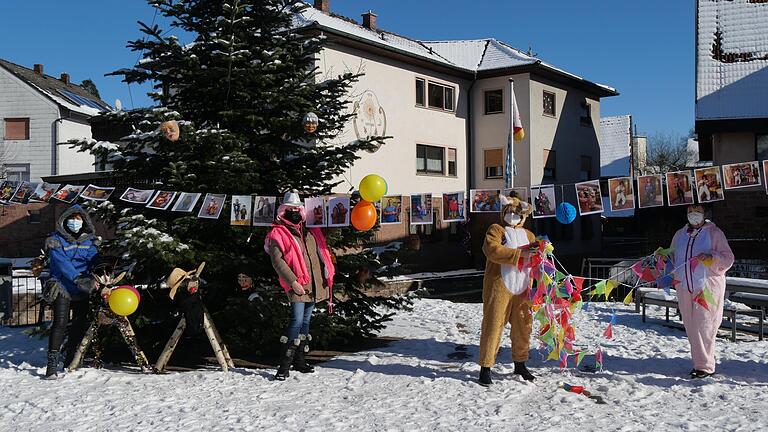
x=72 y=251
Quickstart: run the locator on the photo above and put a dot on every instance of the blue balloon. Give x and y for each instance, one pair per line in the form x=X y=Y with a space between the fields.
x=566 y=213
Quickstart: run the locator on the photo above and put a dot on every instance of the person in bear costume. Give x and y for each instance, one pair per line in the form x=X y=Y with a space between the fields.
x=508 y=249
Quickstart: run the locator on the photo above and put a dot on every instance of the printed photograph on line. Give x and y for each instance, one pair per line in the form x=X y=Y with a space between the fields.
x=96 y=193
x=240 y=210
x=338 y=211
x=264 y=210
x=23 y=192
x=162 y=200
x=741 y=175
x=137 y=196
x=679 y=188
x=212 y=206
x=186 y=202
x=421 y=209
x=68 y=193
x=520 y=193
x=7 y=188
x=453 y=207
x=316 y=213
x=709 y=184
x=485 y=201
x=391 y=209
x=622 y=193
x=589 y=197
x=543 y=201
x=44 y=192
x=649 y=191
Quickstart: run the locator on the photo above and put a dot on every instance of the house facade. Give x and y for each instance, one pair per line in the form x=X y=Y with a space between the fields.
x=732 y=105
x=447 y=106
x=38 y=115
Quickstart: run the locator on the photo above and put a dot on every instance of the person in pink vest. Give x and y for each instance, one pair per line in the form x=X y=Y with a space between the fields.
x=701 y=256
x=305 y=269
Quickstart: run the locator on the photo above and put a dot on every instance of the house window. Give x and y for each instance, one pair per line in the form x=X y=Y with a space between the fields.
x=494 y=163
x=586 y=168
x=452 y=162
x=494 y=101
x=586 y=114
x=440 y=96
x=429 y=159
x=17 y=172
x=549 y=103
x=17 y=128
x=550 y=164
x=762 y=147
x=420 y=92
x=33 y=216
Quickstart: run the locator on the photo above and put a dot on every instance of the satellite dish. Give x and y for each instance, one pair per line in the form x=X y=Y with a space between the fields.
x=118 y=105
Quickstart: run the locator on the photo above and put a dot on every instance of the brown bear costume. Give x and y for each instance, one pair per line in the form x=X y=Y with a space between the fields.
x=506 y=286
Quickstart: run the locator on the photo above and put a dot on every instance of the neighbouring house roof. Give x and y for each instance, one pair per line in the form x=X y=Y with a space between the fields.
x=70 y=96
x=731 y=59
x=469 y=56
x=615 y=146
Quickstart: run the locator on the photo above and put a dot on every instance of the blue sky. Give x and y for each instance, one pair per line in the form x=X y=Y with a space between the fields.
x=643 y=48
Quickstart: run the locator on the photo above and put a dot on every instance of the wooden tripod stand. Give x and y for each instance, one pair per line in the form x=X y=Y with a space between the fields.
x=219 y=349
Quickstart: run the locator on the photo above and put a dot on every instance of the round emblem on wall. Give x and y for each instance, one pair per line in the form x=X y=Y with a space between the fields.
x=370 y=119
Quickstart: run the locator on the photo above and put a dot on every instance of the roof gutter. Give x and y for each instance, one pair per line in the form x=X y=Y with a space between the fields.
x=470 y=136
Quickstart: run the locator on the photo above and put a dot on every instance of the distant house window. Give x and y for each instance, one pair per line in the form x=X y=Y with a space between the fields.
x=550 y=164
x=452 y=162
x=33 y=216
x=440 y=96
x=586 y=114
x=549 y=103
x=494 y=166
x=17 y=128
x=429 y=159
x=420 y=92
x=762 y=147
x=17 y=172
x=494 y=101
x=586 y=168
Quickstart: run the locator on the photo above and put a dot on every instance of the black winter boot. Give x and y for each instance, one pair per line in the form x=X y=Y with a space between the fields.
x=299 y=361
x=53 y=365
x=523 y=371
x=485 y=376
x=289 y=350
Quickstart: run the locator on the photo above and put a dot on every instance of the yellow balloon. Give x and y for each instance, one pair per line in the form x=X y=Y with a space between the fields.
x=123 y=301
x=372 y=187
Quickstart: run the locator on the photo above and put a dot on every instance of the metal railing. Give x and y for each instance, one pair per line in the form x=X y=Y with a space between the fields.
x=610 y=268
x=20 y=303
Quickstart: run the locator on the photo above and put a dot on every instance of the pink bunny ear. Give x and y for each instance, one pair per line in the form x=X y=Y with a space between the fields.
x=504 y=200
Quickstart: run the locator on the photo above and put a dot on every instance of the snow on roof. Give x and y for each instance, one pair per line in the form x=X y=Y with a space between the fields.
x=615 y=145
x=732 y=59
x=473 y=55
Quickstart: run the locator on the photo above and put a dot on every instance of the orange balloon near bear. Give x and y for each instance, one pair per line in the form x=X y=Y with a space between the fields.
x=363 y=216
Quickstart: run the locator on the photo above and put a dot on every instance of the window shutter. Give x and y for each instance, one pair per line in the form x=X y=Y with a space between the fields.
x=17 y=128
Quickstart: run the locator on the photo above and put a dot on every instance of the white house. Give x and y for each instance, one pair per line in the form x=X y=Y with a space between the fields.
x=38 y=115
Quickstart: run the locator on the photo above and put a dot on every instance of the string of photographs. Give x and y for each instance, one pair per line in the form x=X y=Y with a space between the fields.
x=685 y=187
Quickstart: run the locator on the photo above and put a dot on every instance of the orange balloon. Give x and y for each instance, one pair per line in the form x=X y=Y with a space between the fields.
x=363 y=216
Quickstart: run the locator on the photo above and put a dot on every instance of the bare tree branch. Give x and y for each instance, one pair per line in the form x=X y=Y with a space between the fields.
x=668 y=152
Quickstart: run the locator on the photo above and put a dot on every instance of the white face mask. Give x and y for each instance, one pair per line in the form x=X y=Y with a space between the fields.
x=512 y=219
x=695 y=218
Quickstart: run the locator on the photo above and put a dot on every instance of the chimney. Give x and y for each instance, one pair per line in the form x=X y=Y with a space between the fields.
x=64 y=78
x=38 y=69
x=323 y=5
x=369 y=20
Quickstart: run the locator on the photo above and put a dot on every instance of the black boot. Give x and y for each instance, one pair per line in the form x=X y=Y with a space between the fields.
x=289 y=350
x=299 y=361
x=53 y=365
x=523 y=371
x=485 y=376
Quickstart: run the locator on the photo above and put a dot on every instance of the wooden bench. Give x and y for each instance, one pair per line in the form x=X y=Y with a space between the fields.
x=731 y=313
x=750 y=292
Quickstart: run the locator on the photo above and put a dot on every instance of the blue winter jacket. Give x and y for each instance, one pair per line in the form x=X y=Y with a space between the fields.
x=72 y=256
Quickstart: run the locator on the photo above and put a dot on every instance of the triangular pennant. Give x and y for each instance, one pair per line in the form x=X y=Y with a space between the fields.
x=579 y=282
x=609 y=286
x=553 y=355
x=694 y=263
x=599 y=359
x=663 y=252
x=608 y=333
x=580 y=357
x=628 y=298
x=701 y=301
x=559 y=276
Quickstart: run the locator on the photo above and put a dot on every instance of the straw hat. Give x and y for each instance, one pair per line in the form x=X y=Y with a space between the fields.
x=178 y=276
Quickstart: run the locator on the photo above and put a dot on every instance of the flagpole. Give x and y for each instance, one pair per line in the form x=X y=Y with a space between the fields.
x=510 y=161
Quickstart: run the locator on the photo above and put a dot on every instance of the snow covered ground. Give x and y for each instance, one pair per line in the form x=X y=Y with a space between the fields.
x=426 y=381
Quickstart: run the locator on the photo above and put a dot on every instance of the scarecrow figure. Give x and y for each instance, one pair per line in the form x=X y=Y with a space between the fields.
x=508 y=249
x=195 y=317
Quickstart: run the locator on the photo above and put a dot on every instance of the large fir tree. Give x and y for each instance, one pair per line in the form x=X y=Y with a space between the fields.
x=239 y=91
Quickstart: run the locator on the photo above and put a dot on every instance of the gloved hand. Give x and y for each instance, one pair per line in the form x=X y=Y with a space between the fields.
x=85 y=284
x=52 y=290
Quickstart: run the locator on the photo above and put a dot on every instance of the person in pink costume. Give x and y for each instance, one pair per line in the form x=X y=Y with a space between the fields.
x=701 y=256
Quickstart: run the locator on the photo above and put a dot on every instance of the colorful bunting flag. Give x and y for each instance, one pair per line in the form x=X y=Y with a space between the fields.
x=628 y=298
x=608 y=333
x=609 y=286
x=599 y=359
x=580 y=357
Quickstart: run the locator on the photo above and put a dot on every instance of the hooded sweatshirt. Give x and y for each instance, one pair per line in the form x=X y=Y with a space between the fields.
x=72 y=255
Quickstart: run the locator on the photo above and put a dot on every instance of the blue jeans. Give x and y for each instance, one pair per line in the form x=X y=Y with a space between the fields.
x=301 y=314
